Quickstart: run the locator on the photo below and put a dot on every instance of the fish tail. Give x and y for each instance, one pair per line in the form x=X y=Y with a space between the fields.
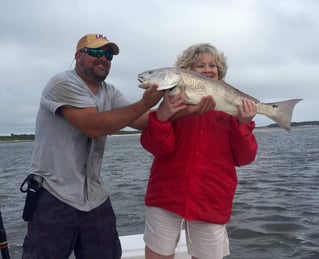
x=282 y=112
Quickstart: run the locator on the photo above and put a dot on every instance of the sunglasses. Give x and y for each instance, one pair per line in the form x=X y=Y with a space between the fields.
x=97 y=53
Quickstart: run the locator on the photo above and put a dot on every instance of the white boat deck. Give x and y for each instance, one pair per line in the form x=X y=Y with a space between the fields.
x=133 y=247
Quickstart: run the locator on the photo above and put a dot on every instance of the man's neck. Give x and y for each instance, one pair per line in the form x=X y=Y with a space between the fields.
x=92 y=84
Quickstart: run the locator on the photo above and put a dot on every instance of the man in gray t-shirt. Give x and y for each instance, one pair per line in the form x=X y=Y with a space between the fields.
x=78 y=109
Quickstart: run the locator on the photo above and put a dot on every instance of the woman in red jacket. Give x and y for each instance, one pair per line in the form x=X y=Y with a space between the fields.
x=193 y=176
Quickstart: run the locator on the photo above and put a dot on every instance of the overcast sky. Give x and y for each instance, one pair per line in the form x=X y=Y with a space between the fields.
x=272 y=47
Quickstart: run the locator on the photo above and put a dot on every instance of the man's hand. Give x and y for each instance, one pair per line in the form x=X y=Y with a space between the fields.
x=151 y=96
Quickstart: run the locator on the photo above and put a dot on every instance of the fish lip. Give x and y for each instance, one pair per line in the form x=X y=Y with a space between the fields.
x=143 y=85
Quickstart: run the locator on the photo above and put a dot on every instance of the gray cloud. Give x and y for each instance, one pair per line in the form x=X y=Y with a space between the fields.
x=271 y=47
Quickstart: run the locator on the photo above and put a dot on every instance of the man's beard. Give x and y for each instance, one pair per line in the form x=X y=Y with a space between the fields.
x=97 y=73
x=99 y=76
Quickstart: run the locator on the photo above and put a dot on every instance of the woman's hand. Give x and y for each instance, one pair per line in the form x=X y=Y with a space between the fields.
x=206 y=104
x=246 y=111
x=169 y=106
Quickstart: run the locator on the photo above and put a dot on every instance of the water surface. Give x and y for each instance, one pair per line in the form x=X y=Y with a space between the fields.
x=276 y=207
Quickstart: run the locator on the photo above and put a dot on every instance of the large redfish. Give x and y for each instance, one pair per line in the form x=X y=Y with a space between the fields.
x=193 y=86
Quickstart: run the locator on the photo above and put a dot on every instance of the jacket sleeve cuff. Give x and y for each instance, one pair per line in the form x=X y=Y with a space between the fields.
x=245 y=128
x=156 y=125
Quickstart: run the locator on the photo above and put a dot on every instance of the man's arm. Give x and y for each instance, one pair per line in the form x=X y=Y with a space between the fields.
x=96 y=124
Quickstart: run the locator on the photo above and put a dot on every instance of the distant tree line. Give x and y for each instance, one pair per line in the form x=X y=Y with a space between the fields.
x=24 y=137
x=295 y=124
x=16 y=137
x=125 y=132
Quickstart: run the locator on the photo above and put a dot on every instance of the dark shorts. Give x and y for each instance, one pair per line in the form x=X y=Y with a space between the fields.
x=57 y=229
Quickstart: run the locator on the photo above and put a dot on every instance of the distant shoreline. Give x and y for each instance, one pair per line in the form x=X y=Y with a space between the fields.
x=31 y=137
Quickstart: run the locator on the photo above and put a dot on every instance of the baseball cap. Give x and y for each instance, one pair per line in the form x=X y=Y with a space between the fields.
x=96 y=41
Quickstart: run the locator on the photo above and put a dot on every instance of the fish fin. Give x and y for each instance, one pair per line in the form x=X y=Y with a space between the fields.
x=165 y=87
x=160 y=87
x=283 y=112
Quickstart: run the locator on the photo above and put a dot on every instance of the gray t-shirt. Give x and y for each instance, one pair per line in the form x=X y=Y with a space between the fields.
x=70 y=161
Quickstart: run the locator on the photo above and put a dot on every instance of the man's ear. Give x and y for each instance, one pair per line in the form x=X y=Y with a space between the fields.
x=77 y=55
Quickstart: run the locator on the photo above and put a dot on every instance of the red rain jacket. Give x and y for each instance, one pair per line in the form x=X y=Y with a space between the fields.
x=193 y=172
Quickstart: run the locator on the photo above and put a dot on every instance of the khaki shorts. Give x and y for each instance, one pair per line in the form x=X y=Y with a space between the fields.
x=204 y=240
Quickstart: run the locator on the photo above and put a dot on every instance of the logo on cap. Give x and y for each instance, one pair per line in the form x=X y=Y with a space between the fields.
x=100 y=36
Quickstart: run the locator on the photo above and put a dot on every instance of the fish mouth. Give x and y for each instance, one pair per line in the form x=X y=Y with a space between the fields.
x=141 y=79
x=143 y=84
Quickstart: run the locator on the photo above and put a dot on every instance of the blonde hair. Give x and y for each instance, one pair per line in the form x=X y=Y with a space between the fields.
x=190 y=56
